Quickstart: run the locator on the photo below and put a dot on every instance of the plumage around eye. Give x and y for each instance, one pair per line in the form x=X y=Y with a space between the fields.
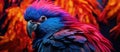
x=42 y=18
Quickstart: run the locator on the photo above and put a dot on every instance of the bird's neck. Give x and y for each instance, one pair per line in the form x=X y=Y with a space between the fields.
x=50 y=26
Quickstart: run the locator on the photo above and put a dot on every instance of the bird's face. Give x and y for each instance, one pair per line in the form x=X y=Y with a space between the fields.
x=44 y=18
x=40 y=23
x=32 y=24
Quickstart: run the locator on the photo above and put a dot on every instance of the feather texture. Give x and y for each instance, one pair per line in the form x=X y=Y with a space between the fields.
x=63 y=32
x=73 y=40
x=86 y=11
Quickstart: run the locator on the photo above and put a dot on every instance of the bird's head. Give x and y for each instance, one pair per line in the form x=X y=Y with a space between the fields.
x=44 y=17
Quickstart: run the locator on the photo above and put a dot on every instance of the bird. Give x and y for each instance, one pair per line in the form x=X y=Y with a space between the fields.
x=57 y=31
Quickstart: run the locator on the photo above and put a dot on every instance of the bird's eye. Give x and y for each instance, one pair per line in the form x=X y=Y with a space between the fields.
x=42 y=18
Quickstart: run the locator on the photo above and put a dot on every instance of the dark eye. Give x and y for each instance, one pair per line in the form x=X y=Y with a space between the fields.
x=43 y=18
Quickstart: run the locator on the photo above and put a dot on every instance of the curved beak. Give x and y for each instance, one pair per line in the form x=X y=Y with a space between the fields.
x=30 y=28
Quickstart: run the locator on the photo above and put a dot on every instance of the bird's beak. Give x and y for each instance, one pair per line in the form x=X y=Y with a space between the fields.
x=30 y=28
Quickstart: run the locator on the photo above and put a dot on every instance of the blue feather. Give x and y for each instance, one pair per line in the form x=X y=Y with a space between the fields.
x=32 y=14
x=51 y=25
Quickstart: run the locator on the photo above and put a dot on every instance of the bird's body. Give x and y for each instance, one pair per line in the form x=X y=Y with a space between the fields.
x=58 y=31
x=65 y=40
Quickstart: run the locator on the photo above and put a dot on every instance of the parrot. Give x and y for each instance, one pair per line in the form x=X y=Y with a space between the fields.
x=57 y=31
